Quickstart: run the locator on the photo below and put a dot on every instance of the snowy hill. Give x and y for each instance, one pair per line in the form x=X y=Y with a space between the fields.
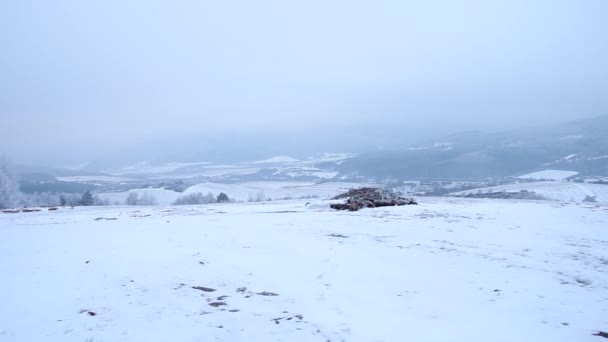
x=277 y=159
x=580 y=146
x=558 y=175
x=448 y=269
x=320 y=167
x=274 y=190
x=241 y=192
x=559 y=191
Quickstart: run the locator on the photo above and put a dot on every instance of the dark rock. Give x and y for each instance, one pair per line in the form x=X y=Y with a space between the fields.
x=217 y=304
x=338 y=236
x=11 y=211
x=601 y=334
x=204 y=289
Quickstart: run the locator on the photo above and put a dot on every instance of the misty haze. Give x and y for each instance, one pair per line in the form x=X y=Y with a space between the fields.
x=304 y=171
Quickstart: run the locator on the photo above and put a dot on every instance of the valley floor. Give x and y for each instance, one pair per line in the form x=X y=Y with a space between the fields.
x=449 y=269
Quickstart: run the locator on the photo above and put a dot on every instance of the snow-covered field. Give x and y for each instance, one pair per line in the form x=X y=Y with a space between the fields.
x=558 y=175
x=242 y=191
x=274 y=190
x=449 y=269
x=149 y=168
x=108 y=179
x=558 y=191
x=280 y=166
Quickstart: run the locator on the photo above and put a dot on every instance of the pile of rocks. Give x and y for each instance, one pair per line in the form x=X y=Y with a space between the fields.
x=369 y=198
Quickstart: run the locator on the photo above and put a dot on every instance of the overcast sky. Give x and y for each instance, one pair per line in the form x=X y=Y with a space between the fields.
x=99 y=74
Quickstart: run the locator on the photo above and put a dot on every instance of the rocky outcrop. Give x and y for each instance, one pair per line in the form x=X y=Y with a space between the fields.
x=370 y=198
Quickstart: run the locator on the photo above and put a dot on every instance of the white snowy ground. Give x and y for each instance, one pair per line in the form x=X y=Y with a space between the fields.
x=449 y=269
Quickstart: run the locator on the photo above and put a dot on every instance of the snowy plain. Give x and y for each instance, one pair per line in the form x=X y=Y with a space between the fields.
x=449 y=269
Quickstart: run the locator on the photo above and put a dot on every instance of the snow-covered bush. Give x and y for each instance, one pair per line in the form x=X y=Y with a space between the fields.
x=195 y=198
x=44 y=199
x=70 y=199
x=146 y=199
x=98 y=201
x=48 y=199
x=132 y=198
x=259 y=197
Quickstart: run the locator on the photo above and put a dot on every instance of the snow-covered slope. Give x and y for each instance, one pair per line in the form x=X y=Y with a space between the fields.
x=146 y=168
x=241 y=191
x=274 y=190
x=445 y=270
x=319 y=167
x=557 y=175
x=95 y=178
x=277 y=159
x=559 y=191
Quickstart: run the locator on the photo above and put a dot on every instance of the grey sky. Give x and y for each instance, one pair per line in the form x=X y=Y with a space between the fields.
x=100 y=73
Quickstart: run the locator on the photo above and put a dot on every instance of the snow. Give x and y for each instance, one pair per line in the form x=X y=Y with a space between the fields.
x=573 y=137
x=305 y=171
x=144 y=168
x=162 y=196
x=550 y=174
x=76 y=167
x=569 y=158
x=274 y=190
x=214 y=171
x=443 y=146
x=558 y=191
x=277 y=159
x=330 y=157
x=218 y=172
x=242 y=191
x=108 y=179
x=448 y=269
